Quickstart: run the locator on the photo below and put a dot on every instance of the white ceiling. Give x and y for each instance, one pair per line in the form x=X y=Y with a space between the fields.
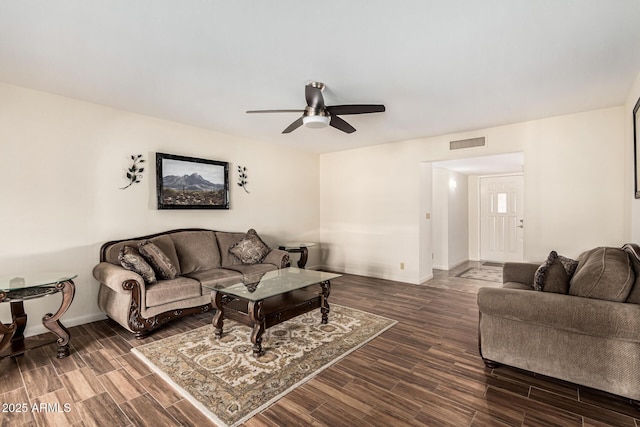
x=439 y=66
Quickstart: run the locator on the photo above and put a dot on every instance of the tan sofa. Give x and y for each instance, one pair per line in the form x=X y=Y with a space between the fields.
x=588 y=335
x=199 y=256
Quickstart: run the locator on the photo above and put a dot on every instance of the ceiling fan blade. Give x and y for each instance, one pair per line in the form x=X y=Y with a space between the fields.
x=340 y=124
x=275 y=111
x=356 y=109
x=314 y=97
x=293 y=126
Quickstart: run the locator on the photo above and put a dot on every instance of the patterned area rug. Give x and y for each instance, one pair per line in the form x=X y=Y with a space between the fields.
x=486 y=273
x=224 y=380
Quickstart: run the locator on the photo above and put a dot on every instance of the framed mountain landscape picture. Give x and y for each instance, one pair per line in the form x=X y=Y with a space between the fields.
x=191 y=183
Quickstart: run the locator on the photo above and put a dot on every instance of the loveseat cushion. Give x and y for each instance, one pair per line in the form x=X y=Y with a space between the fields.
x=586 y=316
x=196 y=250
x=603 y=273
x=216 y=278
x=167 y=291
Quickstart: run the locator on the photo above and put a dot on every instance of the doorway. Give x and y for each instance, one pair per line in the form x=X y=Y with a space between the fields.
x=502 y=218
x=431 y=203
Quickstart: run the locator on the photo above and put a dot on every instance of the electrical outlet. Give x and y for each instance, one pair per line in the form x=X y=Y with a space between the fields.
x=402 y=266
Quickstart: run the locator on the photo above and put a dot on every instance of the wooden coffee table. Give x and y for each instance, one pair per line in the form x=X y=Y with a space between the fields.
x=276 y=297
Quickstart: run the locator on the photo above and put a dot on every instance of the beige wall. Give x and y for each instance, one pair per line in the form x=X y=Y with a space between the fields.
x=63 y=161
x=372 y=217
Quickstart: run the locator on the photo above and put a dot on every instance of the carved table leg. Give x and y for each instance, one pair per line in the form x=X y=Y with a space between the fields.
x=257 y=319
x=19 y=319
x=52 y=321
x=324 y=308
x=304 y=255
x=6 y=331
x=218 y=319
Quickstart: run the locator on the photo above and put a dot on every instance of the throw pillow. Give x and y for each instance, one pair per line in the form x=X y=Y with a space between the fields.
x=604 y=273
x=538 y=277
x=158 y=260
x=569 y=265
x=131 y=259
x=250 y=249
x=554 y=275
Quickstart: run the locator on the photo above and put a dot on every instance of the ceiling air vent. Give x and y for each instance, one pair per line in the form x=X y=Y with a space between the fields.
x=467 y=143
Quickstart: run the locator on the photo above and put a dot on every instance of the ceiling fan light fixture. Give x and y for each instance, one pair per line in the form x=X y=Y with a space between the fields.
x=316 y=122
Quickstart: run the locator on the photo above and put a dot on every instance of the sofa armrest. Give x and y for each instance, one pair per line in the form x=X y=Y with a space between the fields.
x=585 y=316
x=520 y=272
x=277 y=257
x=114 y=276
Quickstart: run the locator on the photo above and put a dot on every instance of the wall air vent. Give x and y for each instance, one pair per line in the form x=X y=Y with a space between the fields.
x=467 y=143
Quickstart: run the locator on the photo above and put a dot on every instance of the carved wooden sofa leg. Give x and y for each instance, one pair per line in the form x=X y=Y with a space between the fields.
x=142 y=334
x=490 y=363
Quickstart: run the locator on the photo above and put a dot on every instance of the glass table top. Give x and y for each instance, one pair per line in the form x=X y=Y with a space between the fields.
x=32 y=280
x=276 y=282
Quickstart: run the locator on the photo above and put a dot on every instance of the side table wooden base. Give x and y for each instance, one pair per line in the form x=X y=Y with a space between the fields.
x=13 y=343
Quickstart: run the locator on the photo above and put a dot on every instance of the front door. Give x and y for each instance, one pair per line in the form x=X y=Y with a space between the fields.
x=501 y=218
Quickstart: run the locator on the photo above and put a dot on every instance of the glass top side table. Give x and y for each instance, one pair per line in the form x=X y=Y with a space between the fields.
x=299 y=248
x=15 y=290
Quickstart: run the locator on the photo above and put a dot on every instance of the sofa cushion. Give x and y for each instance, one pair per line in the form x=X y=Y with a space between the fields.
x=167 y=291
x=250 y=249
x=131 y=259
x=161 y=264
x=196 y=250
x=216 y=277
x=603 y=273
x=225 y=241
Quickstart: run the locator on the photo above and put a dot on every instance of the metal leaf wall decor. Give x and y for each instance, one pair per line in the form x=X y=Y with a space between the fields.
x=134 y=173
x=242 y=178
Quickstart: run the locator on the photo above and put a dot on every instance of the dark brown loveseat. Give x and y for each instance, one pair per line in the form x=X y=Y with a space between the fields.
x=584 y=329
x=198 y=256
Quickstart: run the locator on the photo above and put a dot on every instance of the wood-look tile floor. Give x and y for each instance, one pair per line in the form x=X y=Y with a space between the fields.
x=423 y=371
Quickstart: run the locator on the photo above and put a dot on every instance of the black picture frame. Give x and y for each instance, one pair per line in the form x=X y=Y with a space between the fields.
x=191 y=183
x=636 y=149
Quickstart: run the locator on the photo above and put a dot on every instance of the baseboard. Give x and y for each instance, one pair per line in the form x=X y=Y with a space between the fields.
x=367 y=273
x=38 y=328
x=425 y=279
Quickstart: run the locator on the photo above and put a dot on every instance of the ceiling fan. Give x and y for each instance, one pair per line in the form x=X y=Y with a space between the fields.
x=318 y=115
